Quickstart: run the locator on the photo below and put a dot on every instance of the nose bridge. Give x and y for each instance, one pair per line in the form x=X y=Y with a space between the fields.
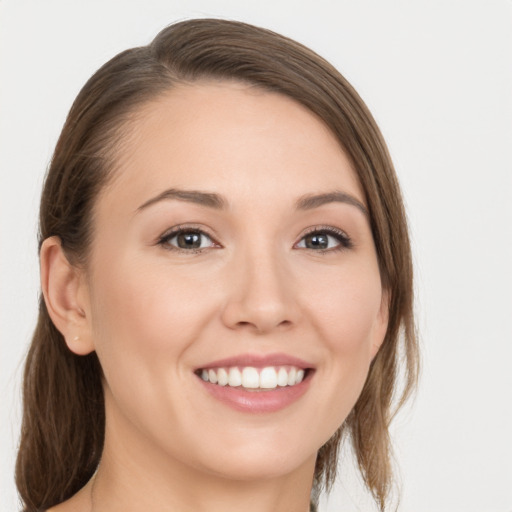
x=261 y=294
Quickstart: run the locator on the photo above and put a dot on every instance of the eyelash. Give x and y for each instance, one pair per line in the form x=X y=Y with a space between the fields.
x=166 y=237
x=345 y=242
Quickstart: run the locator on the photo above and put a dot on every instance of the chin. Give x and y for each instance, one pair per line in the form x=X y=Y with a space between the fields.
x=249 y=469
x=258 y=456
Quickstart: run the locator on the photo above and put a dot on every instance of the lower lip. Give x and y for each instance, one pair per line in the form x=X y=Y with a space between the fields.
x=258 y=401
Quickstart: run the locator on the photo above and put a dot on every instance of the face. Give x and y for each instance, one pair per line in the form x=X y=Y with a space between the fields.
x=233 y=290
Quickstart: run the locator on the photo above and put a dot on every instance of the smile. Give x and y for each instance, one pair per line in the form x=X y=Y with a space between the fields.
x=253 y=383
x=249 y=377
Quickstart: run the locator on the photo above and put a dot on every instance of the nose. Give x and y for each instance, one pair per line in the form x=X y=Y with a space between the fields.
x=262 y=294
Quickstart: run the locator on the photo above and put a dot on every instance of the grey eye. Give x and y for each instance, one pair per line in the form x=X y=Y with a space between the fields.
x=188 y=239
x=328 y=239
x=319 y=240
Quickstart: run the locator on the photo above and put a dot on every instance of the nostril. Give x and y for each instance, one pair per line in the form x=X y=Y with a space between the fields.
x=263 y=326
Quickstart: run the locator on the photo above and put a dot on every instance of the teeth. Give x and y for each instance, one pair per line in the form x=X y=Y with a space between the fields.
x=222 y=377
x=248 y=377
x=268 y=378
x=235 y=377
x=282 y=377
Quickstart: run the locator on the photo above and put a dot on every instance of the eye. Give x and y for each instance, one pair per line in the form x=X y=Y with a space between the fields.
x=186 y=239
x=325 y=239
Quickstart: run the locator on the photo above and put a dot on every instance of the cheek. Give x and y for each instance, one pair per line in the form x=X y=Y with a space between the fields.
x=148 y=316
x=144 y=322
x=347 y=311
x=349 y=320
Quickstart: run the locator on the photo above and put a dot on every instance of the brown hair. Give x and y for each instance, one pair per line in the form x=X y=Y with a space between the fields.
x=63 y=416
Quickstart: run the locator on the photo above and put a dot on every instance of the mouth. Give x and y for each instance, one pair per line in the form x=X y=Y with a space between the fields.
x=251 y=378
x=257 y=384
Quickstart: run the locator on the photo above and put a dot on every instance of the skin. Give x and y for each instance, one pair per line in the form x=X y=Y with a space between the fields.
x=154 y=314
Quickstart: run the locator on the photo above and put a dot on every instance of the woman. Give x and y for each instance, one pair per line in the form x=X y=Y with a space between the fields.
x=227 y=284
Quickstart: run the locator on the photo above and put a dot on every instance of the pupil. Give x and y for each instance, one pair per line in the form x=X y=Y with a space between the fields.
x=189 y=240
x=317 y=241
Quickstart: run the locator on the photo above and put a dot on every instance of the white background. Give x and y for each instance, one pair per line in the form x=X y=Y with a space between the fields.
x=437 y=74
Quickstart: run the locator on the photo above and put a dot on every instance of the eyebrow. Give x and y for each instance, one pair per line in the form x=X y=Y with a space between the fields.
x=217 y=202
x=310 y=201
x=207 y=199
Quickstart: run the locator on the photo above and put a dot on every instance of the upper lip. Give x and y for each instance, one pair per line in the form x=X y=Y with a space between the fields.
x=258 y=361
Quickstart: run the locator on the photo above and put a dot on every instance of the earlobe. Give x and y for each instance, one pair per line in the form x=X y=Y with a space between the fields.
x=381 y=323
x=64 y=294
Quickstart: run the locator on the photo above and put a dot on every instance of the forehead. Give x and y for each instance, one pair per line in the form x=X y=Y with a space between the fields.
x=232 y=139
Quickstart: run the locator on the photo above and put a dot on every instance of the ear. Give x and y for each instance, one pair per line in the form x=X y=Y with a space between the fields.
x=381 y=324
x=66 y=297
